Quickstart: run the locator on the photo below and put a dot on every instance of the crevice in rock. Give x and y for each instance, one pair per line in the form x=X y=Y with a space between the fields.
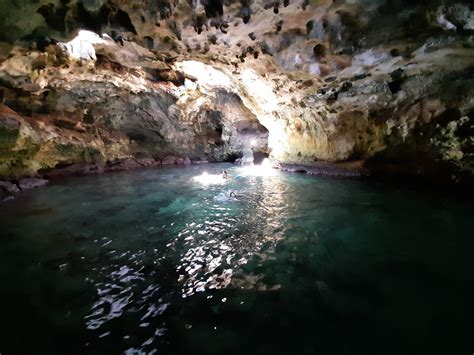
x=397 y=80
x=319 y=51
x=447 y=116
x=54 y=17
x=213 y=8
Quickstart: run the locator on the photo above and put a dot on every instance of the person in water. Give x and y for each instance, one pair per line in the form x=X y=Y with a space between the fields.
x=224 y=174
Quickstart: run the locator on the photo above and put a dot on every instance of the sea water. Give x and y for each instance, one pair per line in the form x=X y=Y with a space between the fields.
x=179 y=260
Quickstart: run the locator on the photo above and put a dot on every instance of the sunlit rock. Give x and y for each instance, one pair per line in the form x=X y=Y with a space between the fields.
x=82 y=46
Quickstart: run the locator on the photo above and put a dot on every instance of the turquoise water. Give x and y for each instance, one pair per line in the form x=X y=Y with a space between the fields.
x=156 y=262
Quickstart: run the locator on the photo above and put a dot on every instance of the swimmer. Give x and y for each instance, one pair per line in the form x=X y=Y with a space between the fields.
x=233 y=194
x=224 y=174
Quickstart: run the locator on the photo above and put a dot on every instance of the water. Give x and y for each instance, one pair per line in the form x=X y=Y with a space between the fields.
x=154 y=261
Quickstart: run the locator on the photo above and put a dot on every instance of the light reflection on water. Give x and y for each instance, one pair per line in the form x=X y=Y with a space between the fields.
x=215 y=234
x=234 y=230
x=155 y=260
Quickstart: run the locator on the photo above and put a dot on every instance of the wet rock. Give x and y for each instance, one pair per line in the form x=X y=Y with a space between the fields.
x=169 y=160
x=73 y=169
x=7 y=190
x=148 y=161
x=31 y=183
x=122 y=164
x=293 y=168
x=347 y=169
x=199 y=162
x=9 y=187
x=244 y=161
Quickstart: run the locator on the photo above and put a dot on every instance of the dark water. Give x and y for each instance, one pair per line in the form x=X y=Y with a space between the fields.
x=154 y=262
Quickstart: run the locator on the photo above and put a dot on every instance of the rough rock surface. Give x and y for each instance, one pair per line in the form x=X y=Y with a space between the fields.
x=388 y=83
x=7 y=189
x=31 y=183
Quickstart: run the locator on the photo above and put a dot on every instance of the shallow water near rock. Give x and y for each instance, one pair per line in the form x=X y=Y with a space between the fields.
x=154 y=261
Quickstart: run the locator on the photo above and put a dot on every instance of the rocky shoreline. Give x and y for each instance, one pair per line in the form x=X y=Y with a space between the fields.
x=346 y=170
x=302 y=85
x=8 y=188
x=343 y=169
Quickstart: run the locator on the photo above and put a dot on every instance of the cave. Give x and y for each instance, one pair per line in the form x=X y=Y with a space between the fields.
x=220 y=177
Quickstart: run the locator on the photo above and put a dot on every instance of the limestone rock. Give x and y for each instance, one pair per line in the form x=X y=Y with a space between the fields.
x=8 y=187
x=387 y=83
x=82 y=46
x=148 y=161
x=7 y=190
x=122 y=164
x=73 y=169
x=169 y=160
x=31 y=183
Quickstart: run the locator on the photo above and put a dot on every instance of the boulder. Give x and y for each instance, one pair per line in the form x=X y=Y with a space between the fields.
x=7 y=189
x=31 y=183
x=148 y=161
x=169 y=160
x=122 y=164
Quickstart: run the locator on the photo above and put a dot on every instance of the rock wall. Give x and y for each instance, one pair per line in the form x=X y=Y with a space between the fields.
x=387 y=83
x=63 y=111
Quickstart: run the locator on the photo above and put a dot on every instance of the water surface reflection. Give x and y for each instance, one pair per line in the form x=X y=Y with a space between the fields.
x=154 y=261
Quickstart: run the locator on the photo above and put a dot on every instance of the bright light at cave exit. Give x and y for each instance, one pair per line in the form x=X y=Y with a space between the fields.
x=209 y=179
x=266 y=168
